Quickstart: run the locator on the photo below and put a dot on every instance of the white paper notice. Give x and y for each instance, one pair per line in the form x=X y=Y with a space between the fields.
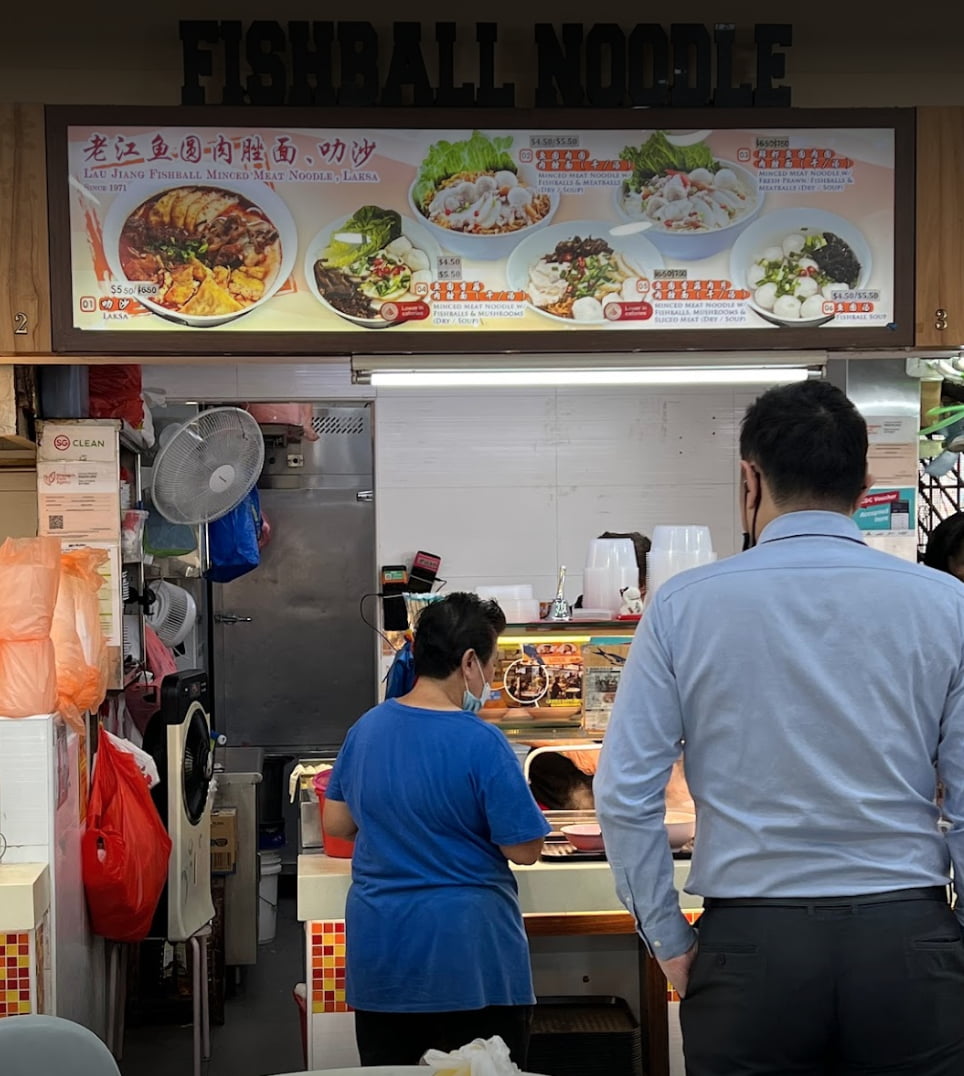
x=79 y=499
x=892 y=429
x=109 y=594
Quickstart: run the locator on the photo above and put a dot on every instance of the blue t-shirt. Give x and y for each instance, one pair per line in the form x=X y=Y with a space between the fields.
x=433 y=921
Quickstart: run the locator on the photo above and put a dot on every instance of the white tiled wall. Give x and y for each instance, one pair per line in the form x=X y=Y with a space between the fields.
x=505 y=485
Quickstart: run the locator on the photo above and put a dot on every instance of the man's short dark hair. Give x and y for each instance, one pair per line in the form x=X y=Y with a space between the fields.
x=809 y=442
x=449 y=627
x=945 y=542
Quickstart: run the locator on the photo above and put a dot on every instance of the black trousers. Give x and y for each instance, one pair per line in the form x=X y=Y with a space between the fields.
x=835 y=988
x=388 y=1038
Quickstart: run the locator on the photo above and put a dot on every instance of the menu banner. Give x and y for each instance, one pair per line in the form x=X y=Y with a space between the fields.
x=203 y=231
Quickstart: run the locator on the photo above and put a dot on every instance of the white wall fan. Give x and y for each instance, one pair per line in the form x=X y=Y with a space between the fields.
x=207 y=466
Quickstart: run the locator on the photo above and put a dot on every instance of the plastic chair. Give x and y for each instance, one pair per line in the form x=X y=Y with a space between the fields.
x=40 y=1044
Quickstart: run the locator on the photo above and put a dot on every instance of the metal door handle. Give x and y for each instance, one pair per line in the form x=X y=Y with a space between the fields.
x=365 y=495
x=230 y=618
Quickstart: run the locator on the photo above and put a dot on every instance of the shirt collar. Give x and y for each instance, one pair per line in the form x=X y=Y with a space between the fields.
x=823 y=524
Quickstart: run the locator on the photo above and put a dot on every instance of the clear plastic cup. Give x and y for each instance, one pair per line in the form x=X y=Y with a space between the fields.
x=682 y=539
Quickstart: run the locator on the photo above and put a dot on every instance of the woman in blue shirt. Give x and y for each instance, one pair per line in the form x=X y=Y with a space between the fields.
x=436 y=950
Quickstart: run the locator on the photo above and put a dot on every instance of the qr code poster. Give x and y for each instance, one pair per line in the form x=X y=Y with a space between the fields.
x=79 y=499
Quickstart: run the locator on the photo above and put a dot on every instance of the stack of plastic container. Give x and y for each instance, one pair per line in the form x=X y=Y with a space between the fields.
x=674 y=550
x=610 y=566
x=517 y=602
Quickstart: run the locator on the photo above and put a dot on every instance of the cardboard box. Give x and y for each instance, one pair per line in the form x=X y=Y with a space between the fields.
x=224 y=840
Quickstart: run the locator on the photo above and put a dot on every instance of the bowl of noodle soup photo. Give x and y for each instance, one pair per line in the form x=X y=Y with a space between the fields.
x=204 y=253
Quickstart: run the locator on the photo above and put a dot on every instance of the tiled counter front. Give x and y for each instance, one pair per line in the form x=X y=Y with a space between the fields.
x=557 y=900
x=24 y=940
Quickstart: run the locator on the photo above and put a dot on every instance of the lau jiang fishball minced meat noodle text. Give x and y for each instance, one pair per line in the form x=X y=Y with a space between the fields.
x=575 y=280
x=808 y=269
x=209 y=251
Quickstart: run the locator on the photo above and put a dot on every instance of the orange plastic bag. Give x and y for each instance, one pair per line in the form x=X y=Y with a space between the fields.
x=28 y=678
x=125 y=848
x=29 y=578
x=77 y=634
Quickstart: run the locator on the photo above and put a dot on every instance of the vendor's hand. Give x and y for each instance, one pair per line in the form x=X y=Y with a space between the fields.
x=677 y=969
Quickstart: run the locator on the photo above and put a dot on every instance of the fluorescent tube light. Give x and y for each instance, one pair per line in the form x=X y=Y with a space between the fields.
x=718 y=375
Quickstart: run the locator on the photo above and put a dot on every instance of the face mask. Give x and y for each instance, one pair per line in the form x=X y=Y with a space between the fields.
x=474 y=703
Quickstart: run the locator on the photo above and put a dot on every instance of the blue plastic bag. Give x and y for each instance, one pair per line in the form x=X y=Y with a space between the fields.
x=401 y=674
x=233 y=541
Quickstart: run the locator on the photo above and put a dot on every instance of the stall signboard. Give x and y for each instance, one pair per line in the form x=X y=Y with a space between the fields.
x=210 y=236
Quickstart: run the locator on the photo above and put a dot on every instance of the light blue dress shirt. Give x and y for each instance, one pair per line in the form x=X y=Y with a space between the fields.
x=816 y=683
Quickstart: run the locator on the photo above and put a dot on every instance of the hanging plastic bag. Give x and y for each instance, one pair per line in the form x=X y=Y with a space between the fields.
x=401 y=673
x=125 y=848
x=145 y=762
x=29 y=578
x=143 y=697
x=81 y=654
x=28 y=678
x=233 y=541
x=80 y=572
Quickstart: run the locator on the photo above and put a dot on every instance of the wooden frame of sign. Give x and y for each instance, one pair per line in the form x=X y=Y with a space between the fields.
x=70 y=340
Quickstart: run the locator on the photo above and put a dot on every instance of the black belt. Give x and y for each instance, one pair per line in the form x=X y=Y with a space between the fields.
x=892 y=896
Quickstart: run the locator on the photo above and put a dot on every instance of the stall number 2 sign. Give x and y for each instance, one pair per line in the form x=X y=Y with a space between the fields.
x=20 y=324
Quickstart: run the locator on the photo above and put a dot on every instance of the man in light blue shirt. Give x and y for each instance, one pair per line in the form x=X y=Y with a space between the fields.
x=816 y=689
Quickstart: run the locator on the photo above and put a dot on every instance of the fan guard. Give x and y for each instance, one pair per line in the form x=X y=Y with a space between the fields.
x=208 y=466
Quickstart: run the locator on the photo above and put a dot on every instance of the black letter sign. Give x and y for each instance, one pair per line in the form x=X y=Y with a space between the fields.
x=691 y=42
x=608 y=94
x=197 y=61
x=728 y=95
x=268 y=78
x=407 y=68
x=308 y=62
x=771 y=65
x=558 y=65
x=359 y=63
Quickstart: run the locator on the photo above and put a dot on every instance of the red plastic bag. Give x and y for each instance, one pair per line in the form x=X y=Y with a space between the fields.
x=28 y=678
x=29 y=578
x=125 y=849
x=115 y=392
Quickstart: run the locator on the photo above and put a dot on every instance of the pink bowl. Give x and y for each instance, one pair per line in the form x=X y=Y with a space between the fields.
x=587 y=837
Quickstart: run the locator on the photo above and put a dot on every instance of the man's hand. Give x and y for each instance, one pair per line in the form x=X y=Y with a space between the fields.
x=677 y=970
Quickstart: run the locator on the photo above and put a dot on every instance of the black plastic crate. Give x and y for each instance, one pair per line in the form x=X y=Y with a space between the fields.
x=582 y=1036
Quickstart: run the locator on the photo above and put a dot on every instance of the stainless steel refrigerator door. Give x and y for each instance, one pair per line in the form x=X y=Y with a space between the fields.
x=302 y=669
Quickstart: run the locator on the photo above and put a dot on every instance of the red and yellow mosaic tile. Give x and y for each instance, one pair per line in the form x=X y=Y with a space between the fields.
x=15 y=995
x=326 y=966
x=691 y=918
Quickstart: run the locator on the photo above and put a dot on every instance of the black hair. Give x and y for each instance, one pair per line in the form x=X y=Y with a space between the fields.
x=449 y=627
x=641 y=544
x=553 y=778
x=945 y=542
x=809 y=442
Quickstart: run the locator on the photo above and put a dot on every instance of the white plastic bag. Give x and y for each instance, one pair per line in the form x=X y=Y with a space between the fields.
x=145 y=762
x=481 y=1057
